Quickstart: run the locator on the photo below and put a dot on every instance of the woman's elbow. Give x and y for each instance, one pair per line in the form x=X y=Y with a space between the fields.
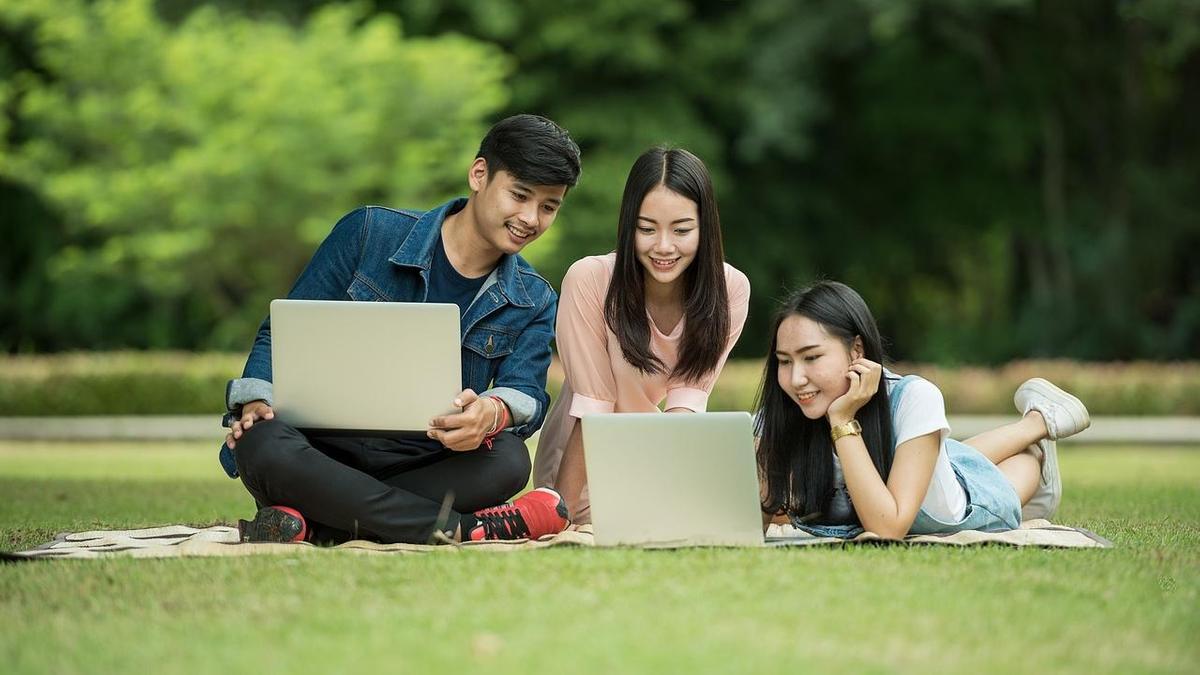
x=889 y=528
x=890 y=532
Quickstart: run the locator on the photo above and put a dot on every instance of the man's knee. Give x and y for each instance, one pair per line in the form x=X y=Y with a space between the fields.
x=264 y=447
x=512 y=464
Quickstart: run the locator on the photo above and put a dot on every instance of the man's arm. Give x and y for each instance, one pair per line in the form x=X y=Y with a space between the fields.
x=518 y=396
x=521 y=376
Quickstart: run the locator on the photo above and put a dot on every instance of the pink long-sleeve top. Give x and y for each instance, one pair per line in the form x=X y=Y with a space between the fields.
x=599 y=379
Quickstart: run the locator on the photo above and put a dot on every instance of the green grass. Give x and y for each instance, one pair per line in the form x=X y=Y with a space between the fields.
x=874 y=609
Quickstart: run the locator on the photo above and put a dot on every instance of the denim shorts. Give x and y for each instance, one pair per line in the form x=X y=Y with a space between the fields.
x=992 y=502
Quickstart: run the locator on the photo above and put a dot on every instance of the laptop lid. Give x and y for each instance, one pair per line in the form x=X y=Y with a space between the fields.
x=364 y=366
x=672 y=479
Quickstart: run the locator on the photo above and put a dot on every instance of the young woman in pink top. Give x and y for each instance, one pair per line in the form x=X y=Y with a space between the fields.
x=651 y=323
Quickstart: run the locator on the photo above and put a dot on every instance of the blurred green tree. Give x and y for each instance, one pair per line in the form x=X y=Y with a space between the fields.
x=1000 y=178
x=974 y=168
x=196 y=166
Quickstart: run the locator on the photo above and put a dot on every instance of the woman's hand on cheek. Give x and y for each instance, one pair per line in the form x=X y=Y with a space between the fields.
x=864 y=375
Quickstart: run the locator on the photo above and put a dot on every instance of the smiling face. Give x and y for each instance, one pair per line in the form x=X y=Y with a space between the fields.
x=668 y=235
x=511 y=213
x=812 y=364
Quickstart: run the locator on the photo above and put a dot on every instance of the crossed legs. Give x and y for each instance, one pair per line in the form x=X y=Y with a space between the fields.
x=389 y=490
x=1005 y=446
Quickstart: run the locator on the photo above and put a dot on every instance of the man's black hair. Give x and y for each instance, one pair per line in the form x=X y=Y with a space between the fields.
x=533 y=149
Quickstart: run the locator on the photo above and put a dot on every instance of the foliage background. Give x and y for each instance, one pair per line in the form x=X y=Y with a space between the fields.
x=1000 y=178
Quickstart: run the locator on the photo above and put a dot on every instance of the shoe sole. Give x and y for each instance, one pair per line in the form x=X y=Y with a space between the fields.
x=561 y=507
x=271 y=526
x=1072 y=405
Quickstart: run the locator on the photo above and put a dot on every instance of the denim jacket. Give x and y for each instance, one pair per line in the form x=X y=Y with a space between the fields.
x=377 y=254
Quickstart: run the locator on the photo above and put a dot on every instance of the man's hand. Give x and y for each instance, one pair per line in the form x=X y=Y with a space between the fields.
x=465 y=431
x=251 y=413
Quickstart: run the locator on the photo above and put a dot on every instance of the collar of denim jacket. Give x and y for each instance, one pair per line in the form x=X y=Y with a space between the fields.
x=417 y=251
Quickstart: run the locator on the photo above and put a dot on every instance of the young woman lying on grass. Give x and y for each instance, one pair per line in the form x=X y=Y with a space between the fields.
x=845 y=444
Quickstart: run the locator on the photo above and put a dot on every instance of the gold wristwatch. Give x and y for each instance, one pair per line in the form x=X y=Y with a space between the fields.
x=851 y=428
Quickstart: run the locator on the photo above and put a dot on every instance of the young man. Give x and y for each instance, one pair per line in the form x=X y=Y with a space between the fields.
x=467 y=252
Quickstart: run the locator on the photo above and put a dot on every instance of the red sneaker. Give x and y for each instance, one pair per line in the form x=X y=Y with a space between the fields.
x=533 y=515
x=279 y=524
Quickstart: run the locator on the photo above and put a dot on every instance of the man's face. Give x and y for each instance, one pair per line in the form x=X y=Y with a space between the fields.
x=511 y=213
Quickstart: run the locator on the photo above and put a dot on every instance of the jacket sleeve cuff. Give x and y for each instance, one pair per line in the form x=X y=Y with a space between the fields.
x=245 y=389
x=521 y=406
x=228 y=462
x=585 y=405
x=695 y=400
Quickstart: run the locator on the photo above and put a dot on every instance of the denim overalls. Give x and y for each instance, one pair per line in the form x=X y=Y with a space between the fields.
x=992 y=502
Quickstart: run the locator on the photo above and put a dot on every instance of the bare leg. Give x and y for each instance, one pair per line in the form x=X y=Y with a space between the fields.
x=572 y=476
x=1004 y=442
x=1024 y=471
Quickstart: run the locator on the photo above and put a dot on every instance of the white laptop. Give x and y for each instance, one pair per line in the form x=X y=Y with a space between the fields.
x=672 y=479
x=364 y=367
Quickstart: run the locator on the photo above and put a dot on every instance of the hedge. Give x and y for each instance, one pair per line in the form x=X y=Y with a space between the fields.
x=1139 y=388
x=116 y=383
x=147 y=383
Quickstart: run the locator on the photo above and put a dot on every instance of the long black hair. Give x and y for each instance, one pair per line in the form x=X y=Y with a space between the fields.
x=706 y=300
x=795 y=454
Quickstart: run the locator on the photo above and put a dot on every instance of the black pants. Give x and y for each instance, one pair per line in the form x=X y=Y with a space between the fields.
x=383 y=489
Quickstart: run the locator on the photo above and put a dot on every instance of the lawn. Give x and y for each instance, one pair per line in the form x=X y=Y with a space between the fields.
x=1135 y=608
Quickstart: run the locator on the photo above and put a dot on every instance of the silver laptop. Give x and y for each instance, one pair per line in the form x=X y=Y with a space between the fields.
x=344 y=366
x=670 y=480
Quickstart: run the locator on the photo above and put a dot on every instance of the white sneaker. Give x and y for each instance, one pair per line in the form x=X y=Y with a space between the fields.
x=1064 y=414
x=1045 y=500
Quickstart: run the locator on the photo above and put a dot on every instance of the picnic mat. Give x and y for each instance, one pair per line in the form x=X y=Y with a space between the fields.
x=1039 y=532
x=179 y=541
